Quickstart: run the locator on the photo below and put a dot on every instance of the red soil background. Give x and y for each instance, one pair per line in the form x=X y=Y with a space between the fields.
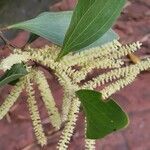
x=16 y=129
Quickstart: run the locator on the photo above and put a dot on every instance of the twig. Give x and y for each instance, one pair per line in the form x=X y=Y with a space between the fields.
x=6 y=41
x=44 y=67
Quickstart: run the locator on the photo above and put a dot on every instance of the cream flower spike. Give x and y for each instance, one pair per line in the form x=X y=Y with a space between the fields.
x=116 y=86
x=34 y=113
x=111 y=76
x=70 y=125
x=90 y=54
x=13 y=59
x=48 y=99
x=12 y=97
x=67 y=100
x=89 y=143
x=125 y=50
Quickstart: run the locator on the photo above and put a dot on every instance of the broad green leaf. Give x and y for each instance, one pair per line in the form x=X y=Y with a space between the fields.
x=103 y=117
x=50 y=25
x=109 y=36
x=53 y=27
x=91 y=19
x=12 y=75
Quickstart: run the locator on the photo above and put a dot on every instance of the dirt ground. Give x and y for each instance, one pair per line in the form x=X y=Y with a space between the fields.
x=16 y=131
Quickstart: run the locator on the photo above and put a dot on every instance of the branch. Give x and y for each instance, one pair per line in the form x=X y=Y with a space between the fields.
x=6 y=41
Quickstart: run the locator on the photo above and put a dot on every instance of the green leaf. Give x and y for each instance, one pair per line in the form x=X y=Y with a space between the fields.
x=109 y=36
x=50 y=25
x=103 y=117
x=53 y=27
x=11 y=76
x=91 y=19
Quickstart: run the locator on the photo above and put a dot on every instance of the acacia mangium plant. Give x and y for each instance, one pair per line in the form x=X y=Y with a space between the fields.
x=82 y=41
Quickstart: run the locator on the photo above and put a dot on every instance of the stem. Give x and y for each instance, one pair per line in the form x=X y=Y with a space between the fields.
x=6 y=41
x=42 y=66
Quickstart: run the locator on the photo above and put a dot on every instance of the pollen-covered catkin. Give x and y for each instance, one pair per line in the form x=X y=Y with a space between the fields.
x=89 y=143
x=118 y=73
x=67 y=100
x=48 y=99
x=86 y=56
x=125 y=50
x=34 y=113
x=143 y=65
x=12 y=59
x=112 y=75
x=117 y=85
x=103 y=64
x=12 y=97
x=70 y=125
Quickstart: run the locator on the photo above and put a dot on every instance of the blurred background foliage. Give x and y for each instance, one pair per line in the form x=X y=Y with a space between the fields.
x=15 y=10
x=12 y=11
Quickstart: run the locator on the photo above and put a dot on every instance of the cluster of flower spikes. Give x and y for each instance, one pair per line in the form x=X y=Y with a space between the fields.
x=70 y=72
